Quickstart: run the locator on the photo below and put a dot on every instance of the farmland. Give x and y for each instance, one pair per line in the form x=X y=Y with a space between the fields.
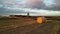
x=28 y=26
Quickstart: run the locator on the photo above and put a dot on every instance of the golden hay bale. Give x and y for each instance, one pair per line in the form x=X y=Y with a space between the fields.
x=40 y=20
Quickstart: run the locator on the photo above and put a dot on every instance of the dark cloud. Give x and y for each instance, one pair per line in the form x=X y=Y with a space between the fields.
x=55 y=5
x=39 y=4
x=35 y=3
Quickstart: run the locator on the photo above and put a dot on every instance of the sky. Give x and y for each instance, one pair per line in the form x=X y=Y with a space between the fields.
x=6 y=6
x=30 y=3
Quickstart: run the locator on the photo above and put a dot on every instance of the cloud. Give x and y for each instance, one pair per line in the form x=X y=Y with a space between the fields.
x=57 y=3
x=35 y=3
x=39 y=4
x=48 y=2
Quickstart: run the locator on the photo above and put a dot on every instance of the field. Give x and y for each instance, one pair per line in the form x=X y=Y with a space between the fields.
x=28 y=26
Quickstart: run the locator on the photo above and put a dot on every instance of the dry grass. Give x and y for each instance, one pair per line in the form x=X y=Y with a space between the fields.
x=28 y=26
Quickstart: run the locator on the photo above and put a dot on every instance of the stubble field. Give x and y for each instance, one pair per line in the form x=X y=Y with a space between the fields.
x=28 y=26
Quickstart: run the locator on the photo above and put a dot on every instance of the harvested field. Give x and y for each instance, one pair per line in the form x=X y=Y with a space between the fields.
x=28 y=26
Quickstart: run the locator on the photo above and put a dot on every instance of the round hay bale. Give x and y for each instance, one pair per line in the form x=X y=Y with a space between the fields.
x=40 y=20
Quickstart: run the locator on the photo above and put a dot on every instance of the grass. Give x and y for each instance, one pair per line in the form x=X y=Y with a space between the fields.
x=22 y=26
x=8 y=23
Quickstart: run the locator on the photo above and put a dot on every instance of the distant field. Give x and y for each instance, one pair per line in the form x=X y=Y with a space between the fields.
x=28 y=26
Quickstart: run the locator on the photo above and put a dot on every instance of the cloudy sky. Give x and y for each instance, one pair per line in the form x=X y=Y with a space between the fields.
x=30 y=3
x=38 y=4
